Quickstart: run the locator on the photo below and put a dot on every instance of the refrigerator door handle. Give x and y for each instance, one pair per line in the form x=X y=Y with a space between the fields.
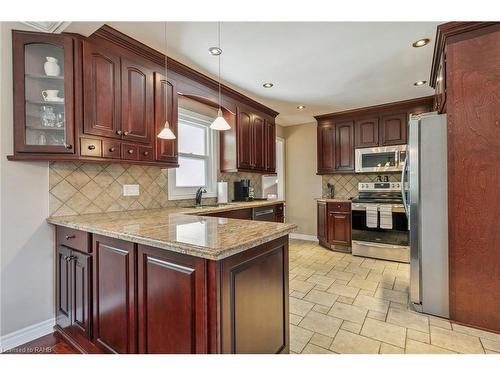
x=403 y=183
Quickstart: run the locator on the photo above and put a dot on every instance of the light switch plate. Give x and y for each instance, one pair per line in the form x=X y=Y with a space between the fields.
x=130 y=190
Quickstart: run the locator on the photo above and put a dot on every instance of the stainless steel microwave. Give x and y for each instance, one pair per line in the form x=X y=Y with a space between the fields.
x=380 y=159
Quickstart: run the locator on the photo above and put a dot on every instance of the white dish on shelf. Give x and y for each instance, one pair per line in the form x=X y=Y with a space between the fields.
x=54 y=100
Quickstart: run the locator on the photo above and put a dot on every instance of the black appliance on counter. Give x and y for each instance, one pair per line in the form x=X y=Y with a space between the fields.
x=242 y=192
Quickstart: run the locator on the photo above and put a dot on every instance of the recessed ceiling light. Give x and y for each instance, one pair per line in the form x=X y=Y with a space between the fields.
x=268 y=85
x=216 y=51
x=420 y=83
x=421 y=42
x=301 y=106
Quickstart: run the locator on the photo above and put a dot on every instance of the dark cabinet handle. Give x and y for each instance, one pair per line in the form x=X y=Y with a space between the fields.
x=125 y=133
x=112 y=149
x=70 y=237
x=146 y=153
x=130 y=151
x=91 y=147
x=119 y=132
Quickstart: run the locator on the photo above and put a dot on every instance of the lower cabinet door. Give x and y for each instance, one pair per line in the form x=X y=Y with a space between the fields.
x=80 y=316
x=63 y=287
x=322 y=222
x=339 y=228
x=171 y=302
x=114 y=295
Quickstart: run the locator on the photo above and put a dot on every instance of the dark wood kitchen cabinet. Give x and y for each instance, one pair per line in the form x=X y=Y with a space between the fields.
x=123 y=297
x=244 y=134
x=326 y=148
x=101 y=88
x=119 y=94
x=322 y=224
x=44 y=120
x=115 y=93
x=335 y=147
x=270 y=144
x=334 y=225
x=366 y=132
x=114 y=296
x=171 y=302
x=165 y=94
x=251 y=145
x=465 y=74
x=73 y=285
x=137 y=94
x=339 y=134
x=393 y=129
x=344 y=146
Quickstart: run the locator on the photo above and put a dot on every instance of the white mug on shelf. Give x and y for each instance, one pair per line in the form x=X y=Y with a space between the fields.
x=51 y=95
x=51 y=67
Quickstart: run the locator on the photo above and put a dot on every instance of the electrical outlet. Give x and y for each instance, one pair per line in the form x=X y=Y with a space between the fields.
x=130 y=190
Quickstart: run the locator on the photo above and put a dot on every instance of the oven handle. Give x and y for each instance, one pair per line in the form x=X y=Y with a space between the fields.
x=403 y=183
x=373 y=244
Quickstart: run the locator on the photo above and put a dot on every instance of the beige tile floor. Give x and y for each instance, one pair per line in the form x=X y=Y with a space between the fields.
x=340 y=303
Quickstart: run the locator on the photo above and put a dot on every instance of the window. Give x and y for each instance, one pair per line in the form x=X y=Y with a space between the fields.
x=197 y=157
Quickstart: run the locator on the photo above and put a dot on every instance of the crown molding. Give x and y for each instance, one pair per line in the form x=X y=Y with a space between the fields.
x=48 y=26
x=425 y=100
x=444 y=33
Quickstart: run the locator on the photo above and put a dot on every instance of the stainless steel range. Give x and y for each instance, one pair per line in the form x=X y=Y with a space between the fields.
x=379 y=222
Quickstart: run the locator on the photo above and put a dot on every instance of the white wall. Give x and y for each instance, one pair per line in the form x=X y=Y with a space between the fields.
x=27 y=245
x=302 y=184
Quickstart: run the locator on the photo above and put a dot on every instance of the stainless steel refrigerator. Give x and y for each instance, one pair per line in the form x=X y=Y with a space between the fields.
x=426 y=203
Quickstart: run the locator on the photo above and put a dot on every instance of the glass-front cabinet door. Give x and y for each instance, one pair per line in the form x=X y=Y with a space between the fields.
x=43 y=93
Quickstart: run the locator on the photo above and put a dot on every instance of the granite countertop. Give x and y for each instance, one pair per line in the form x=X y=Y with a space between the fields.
x=183 y=230
x=333 y=200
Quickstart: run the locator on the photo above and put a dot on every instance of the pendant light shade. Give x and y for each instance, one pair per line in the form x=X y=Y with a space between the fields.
x=166 y=132
x=220 y=122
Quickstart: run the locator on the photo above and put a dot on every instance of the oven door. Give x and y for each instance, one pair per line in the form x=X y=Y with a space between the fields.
x=380 y=159
x=388 y=244
x=398 y=235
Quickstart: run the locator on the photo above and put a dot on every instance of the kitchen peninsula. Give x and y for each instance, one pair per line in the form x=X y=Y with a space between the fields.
x=173 y=280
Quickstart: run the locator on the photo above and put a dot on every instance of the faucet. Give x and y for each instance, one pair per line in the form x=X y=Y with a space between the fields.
x=199 y=193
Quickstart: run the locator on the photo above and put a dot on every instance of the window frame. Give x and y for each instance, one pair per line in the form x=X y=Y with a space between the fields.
x=212 y=159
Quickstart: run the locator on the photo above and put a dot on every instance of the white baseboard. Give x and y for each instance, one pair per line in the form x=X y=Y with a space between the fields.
x=27 y=334
x=305 y=237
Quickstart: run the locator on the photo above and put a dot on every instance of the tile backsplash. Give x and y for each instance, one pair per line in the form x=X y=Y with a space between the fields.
x=82 y=187
x=346 y=185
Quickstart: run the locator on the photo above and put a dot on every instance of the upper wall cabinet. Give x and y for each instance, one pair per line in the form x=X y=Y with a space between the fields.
x=104 y=98
x=43 y=93
x=339 y=134
x=165 y=104
x=101 y=87
x=250 y=144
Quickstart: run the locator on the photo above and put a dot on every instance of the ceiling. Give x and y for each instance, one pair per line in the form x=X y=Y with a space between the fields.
x=326 y=66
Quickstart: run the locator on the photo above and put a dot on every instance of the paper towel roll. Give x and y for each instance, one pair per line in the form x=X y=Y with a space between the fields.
x=221 y=192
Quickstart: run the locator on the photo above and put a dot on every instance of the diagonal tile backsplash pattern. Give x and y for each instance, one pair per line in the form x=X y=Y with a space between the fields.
x=82 y=187
x=346 y=185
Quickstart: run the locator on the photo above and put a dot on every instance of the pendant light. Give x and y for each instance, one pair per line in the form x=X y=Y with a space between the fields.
x=166 y=132
x=220 y=122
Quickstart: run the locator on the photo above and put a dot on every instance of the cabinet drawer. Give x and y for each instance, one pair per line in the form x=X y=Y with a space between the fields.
x=129 y=151
x=72 y=238
x=339 y=207
x=111 y=149
x=146 y=153
x=90 y=147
